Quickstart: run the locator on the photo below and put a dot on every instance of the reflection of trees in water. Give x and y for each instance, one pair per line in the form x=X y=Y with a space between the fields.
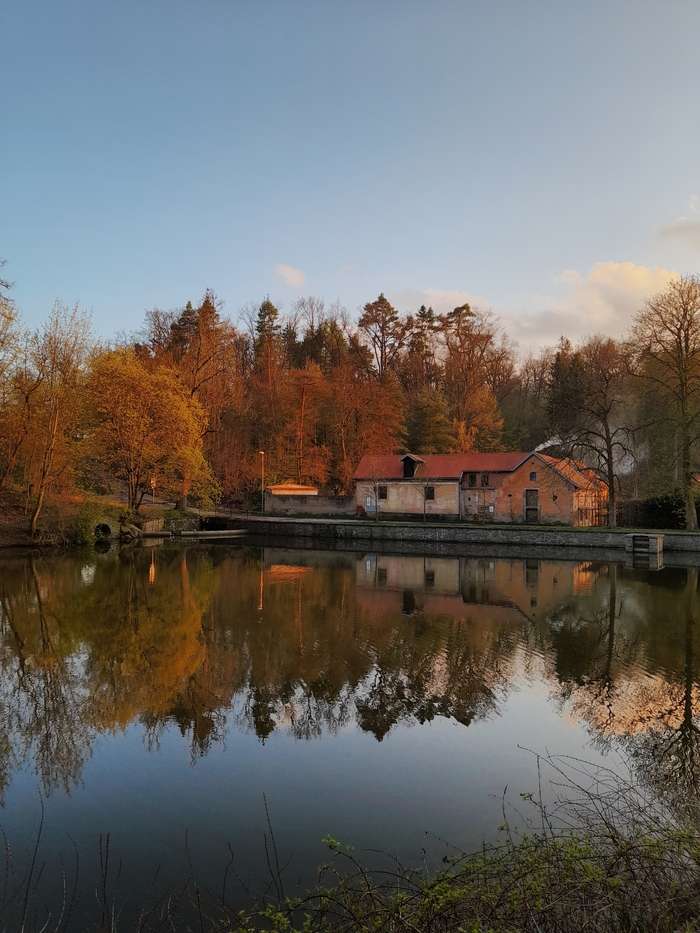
x=634 y=680
x=84 y=652
x=435 y=667
x=667 y=752
x=594 y=651
x=41 y=686
x=205 y=639
x=177 y=639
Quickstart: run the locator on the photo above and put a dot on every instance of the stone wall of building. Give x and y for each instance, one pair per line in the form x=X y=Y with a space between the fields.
x=309 y=505
x=407 y=497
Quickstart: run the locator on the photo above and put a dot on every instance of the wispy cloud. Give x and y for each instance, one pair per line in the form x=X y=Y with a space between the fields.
x=440 y=300
x=686 y=228
x=289 y=274
x=602 y=300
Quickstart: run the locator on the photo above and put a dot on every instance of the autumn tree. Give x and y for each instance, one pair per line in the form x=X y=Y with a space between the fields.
x=143 y=425
x=58 y=352
x=470 y=338
x=13 y=423
x=666 y=343
x=307 y=389
x=362 y=415
x=203 y=350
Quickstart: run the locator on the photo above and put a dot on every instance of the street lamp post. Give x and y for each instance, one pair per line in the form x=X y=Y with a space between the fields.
x=262 y=480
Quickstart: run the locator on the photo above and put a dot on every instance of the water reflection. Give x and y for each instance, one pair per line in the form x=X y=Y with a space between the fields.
x=312 y=643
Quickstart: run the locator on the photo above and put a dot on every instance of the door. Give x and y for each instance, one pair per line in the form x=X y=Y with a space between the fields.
x=532 y=506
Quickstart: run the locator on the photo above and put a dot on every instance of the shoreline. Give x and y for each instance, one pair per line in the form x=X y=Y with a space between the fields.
x=452 y=532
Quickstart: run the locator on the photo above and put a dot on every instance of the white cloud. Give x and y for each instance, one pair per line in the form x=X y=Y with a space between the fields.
x=602 y=301
x=439 y=299
x=289 y=274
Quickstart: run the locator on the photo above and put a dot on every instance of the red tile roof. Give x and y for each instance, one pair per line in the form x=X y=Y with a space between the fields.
x=439 y=466
x=577 y=473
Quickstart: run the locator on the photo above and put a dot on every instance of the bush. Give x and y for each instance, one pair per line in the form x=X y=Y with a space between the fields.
x=666 y=511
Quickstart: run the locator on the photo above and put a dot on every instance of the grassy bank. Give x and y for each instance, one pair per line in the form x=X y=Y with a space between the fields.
x=622 y=871
x=65 y=521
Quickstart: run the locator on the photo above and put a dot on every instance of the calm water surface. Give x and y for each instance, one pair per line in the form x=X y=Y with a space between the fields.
x=157 y=694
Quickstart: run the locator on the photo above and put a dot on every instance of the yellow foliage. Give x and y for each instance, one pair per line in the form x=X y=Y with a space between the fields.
x=144 y=424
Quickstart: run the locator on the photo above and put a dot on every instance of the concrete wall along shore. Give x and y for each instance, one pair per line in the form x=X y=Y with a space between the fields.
x=344 y=529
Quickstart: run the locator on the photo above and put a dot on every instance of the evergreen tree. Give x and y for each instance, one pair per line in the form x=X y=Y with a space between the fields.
x=429 y=429
x=566 y=389
x=182 y=330
x=267 y=324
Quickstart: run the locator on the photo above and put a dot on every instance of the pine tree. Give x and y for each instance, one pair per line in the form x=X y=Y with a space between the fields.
x=429 y=427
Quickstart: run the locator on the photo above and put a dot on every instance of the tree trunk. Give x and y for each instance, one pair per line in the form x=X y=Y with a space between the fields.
x=300 y=434
x=688 y=480
x=46 y=465
x=612 y=495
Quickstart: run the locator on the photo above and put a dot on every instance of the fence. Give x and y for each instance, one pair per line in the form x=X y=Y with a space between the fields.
x=592 y=517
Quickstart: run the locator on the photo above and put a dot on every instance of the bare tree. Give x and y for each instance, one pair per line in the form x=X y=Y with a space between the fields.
x=599 y=433
x=8 y=328
x=59 y=352
x=666 y=339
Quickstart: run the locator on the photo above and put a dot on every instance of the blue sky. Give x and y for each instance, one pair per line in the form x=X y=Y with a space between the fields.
x=539 y=158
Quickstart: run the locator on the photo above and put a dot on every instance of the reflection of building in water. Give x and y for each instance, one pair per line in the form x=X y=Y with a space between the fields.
x=285 y=573
x=506 y=589
x=585 y=575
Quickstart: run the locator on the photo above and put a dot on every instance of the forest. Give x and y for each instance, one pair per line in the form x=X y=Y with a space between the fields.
x=185 y=406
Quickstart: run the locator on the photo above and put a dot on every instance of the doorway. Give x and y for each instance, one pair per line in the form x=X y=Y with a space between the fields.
x=532 y=506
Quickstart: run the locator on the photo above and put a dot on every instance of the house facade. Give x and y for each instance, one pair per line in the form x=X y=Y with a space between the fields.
x=513 y=486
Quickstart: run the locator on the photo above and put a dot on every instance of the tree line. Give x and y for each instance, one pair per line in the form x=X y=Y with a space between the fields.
x=186 y=405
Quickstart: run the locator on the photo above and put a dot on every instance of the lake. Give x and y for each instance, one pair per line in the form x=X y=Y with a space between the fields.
x=183 y=700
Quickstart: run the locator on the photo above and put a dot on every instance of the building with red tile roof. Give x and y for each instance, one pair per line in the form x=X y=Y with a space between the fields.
x=506 y=486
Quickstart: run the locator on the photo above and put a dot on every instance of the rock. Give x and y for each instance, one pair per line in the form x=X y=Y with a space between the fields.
x=129 y=532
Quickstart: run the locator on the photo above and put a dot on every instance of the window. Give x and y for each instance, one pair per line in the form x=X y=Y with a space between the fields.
x=472 y=479
x=429 y=492
x=381 y=576
x=429 y=579
x=484 y=479
x=409 y=467
x=381 y=492
x=533 y=477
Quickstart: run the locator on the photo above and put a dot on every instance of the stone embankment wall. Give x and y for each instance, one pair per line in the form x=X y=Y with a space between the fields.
x=343 y=529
